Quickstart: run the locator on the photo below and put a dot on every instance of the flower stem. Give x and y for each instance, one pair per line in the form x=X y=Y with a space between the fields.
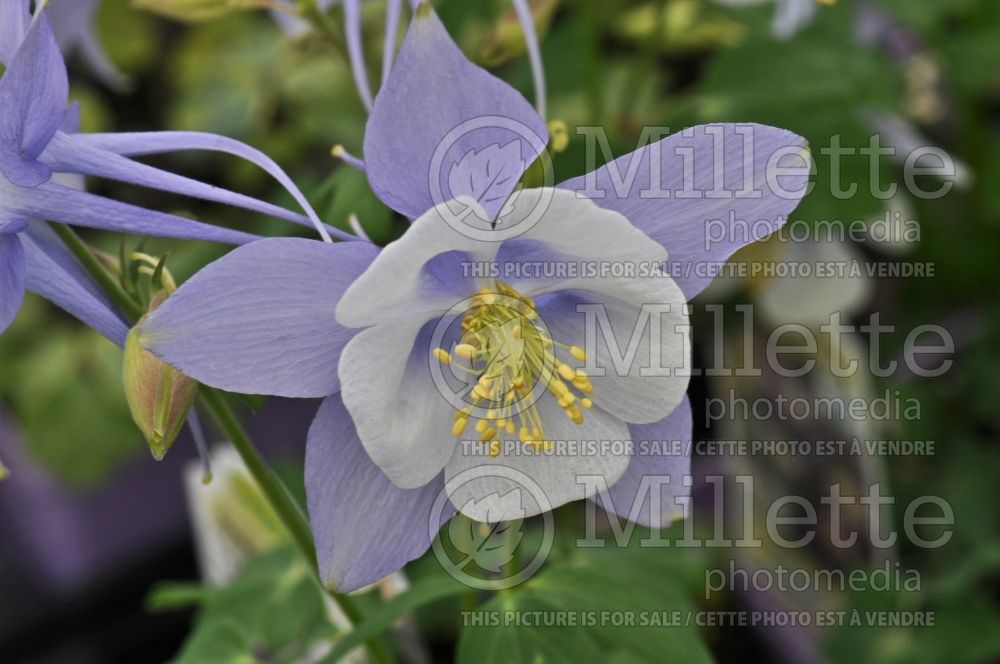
x=101 y=275
x=277 y=494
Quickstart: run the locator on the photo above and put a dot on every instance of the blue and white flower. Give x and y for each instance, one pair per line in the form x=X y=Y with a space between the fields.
x=368 y=329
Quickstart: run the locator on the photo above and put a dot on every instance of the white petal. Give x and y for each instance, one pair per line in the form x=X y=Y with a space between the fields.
x=642 y=388
x=428 y=269
x=481 y=486
x=810 y=300
x=403 y=421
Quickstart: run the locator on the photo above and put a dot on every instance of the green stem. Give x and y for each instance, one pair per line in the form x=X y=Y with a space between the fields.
x=281 y=501
x=101 y=275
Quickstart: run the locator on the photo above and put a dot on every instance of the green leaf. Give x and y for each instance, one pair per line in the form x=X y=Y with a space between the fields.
x=275 y=607
x=223 y=642
x=594 y=595
x=421 y=593
x=503 y=643
x=631 y=586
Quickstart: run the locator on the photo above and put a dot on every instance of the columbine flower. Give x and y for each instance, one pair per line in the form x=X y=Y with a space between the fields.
x=40 y=145
x=369 y=330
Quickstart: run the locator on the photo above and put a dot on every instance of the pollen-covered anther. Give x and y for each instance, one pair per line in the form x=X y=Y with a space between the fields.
x=466 y=351
x=459 y=427
x=566 y=372
x=516 y=363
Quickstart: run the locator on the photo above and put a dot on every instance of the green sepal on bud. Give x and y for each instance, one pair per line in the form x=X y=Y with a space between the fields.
x=158 y=395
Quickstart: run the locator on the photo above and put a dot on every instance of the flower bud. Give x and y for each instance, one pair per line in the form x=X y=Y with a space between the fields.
x=158 y=395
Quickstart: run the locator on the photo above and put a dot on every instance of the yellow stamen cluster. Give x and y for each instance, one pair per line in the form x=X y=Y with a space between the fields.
x=512 y=355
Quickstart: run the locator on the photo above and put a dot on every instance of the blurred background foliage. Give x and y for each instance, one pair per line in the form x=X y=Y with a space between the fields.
x=623 y=66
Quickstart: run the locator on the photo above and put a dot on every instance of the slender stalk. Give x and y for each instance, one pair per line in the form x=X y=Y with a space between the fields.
x=288 y=511
x=101 y=275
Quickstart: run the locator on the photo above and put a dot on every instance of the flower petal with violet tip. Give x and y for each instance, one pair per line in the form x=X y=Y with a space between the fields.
x=662 y=459
x=579 y=452
x=437 y=108
x=11 y=278
x=403 y=421
x=33 y=93
x=364 y=526
x=701 y=210
x=260 y=320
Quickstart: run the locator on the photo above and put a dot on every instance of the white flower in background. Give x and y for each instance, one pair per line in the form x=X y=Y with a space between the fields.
x=230 y=517
x=790 y=16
